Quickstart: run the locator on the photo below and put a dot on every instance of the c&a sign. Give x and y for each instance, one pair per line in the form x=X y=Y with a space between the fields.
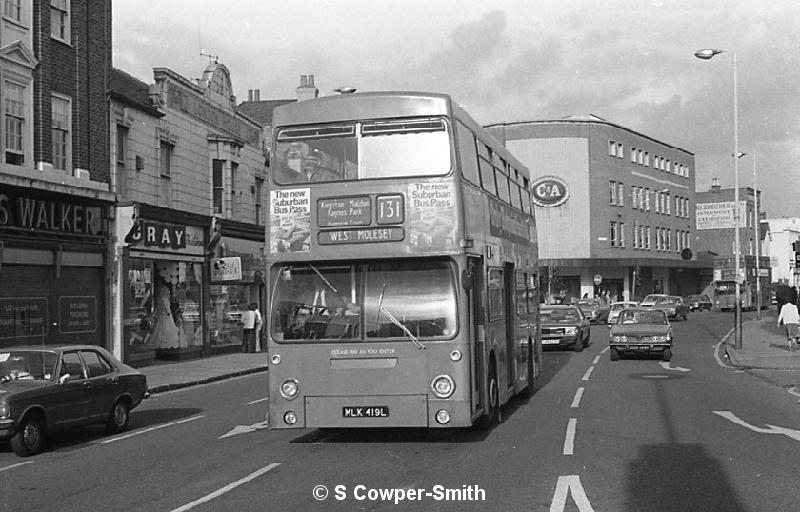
x=549 y=191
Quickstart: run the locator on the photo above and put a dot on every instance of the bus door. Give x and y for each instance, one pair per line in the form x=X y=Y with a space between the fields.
x=473 y=283
x=509 y=286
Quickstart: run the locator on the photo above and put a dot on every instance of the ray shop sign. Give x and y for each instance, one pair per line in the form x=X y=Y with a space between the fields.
x=549 y=191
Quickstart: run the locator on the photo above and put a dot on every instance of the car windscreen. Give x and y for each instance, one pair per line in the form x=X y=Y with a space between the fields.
x=27 y=365
x=642 y=317
x=561 y=316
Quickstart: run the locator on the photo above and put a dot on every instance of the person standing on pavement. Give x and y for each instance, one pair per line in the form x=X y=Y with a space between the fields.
x=251 y=320
x=789 y=317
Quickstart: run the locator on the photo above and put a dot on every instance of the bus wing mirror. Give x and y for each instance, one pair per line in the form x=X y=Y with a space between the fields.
x=467 y=280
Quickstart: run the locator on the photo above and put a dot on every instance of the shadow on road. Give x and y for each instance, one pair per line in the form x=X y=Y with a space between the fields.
x=678 y=477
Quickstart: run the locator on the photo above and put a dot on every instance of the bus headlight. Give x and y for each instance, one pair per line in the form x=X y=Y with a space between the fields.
x=442 y=417
x=289 y=389
x=443 y=386
x=290 y=418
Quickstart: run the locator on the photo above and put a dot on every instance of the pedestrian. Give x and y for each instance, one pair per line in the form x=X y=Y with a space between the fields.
x=790 y=318
x=251 y=323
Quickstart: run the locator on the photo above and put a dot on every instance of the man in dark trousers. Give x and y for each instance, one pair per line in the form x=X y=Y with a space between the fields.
x=251 y=320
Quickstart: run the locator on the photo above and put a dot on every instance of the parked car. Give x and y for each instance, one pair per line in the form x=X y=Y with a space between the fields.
x=643 y=331
x=616 y=307
x=699 y=302
x=48 y=388
x=564 y=326
x=653 y=299
x=596 y=310
x=674 y=307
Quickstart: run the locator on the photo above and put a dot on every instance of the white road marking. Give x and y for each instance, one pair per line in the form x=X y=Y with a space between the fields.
x=229 y=487
x=716 y=350
x=596 y=360
x=655 y=376
x=570 y=484
x=265 y=399
x=794 y=434
x=243 y=429
x=666 y=366
x=605 y=350
x=18 y=464
x=576 y=401
x=144 y=431
x=569 y=439
x=588 y=372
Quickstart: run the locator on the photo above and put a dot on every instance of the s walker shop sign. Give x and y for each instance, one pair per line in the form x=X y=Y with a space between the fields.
x=46 y=215
x=549 y=191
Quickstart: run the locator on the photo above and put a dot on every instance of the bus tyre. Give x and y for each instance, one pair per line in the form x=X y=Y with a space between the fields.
x=667 y=355
x=614 y=354
x=492 y=415
x=528 y=391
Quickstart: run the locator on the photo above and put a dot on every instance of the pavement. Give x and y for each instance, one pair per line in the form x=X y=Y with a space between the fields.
x=765 y=353
x=166 y=377
x=765 y=350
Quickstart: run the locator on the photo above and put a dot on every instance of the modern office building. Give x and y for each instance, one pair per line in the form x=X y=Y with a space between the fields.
x=56 y=202
x=614 y=208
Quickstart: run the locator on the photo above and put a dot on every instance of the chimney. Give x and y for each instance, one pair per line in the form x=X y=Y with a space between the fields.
x=254 y=95
x=715 y=185
x=307 y=90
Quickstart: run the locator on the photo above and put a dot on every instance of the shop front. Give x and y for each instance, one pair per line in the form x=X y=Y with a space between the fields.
x=53 y=252
x=236 y=281
x=163 y=271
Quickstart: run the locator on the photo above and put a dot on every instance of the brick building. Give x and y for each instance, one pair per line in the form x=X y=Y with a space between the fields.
x=55 y=195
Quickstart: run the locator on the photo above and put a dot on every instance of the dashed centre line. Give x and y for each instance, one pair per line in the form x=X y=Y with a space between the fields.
x=227 y=488
x=587 y=374
x=569 y=439
x=576 y=400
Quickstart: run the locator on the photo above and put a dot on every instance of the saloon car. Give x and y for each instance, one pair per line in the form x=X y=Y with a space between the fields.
x=616 y=307
x=48 y=388
x=564 y=326
x=596 y=310
x=641 y=331
x=699 y=302
x=672 y=305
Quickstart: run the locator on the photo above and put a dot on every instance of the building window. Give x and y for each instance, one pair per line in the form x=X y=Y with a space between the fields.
x=621 y=235
x=258 y=199
x=635 y=197
x=62 y=110
x=59 y=20
x=613 y=234
x=612 y=192
x=612 y=148
x=165 y=159
x=14 y=103
x=647 y=159
x=217 y=186
x=640 y=157
x=620 y=195
x=13 y=9
x=620 y=150
x=647 y=238
x=633 y=155
x=232 y=212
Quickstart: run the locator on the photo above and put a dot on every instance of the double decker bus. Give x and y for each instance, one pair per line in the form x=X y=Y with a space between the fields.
x=401 y=266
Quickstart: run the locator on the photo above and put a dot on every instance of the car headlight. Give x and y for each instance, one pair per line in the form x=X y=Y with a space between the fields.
x=570 y=331
x=5 y=410
x=443 y=386
x=619 y=339
x=289 y=389
x=660 y=339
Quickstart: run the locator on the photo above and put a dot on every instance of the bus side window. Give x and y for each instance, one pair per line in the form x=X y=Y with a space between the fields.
x=468 y=154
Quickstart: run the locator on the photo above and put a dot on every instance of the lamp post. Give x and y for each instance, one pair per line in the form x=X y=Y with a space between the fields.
x=707 y=54
x=758 y=240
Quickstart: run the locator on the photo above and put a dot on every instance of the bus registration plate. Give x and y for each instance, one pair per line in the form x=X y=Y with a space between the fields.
x=371 y=411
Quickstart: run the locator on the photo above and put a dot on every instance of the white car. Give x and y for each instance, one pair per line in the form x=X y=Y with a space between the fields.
x=616 y=307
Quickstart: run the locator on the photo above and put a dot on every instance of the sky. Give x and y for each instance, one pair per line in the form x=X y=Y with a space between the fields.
x=629 y=62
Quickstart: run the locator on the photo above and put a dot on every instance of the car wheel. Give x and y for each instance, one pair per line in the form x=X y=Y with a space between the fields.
x=120 y=415
x=492 y=415
x=578 y=346
x=667 y=355
x=614 y=354
x=29 y=438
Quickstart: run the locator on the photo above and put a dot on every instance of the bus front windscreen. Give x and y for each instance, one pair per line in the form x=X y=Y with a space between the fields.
x=362 y=150
x=412 y=300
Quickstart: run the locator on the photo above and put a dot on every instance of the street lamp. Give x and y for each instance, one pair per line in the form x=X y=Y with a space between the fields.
x=758 y=240
x=706 y=54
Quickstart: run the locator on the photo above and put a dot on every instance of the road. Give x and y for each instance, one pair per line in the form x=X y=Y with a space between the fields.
x=631 y=435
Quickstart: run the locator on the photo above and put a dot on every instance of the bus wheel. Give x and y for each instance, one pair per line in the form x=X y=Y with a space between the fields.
x=492 y=415
x=530 y=390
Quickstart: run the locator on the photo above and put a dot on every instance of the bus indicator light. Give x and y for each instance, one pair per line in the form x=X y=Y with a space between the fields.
x=443 y=386
x=455 y=355
x=442 y=417
x=289 y=389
